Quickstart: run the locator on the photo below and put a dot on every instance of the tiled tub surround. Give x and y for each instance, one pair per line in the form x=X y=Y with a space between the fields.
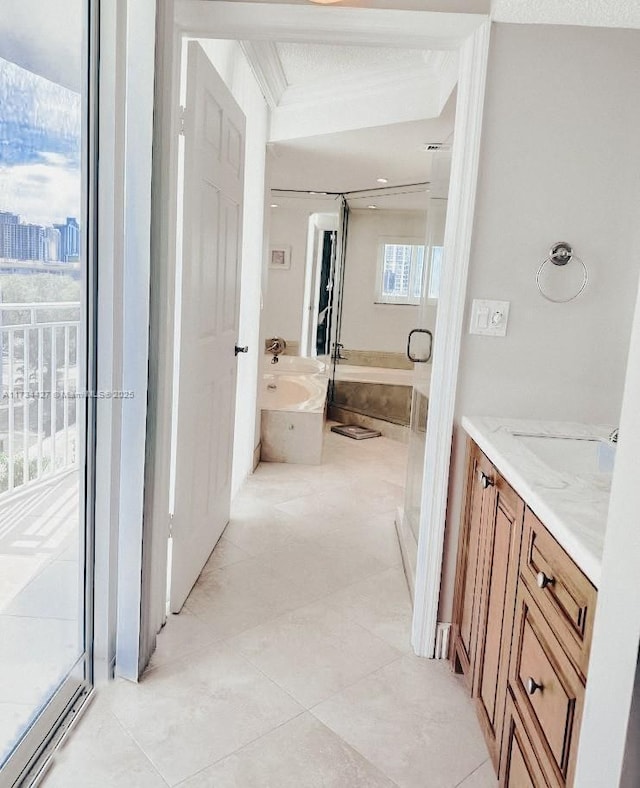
x=290 y=665
x=293 y=402
x=377 y=392
x=573 y=506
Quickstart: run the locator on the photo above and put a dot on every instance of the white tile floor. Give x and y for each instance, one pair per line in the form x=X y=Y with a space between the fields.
x=291 y=665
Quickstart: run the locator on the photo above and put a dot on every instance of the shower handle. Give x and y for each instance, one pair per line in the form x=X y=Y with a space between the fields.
x=413 y=358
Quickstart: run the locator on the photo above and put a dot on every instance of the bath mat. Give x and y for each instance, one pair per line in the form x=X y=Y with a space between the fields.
x=355 y=432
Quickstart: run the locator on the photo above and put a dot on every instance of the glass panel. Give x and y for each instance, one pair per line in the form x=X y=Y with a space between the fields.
x=435 y=272
x=418 y=272
x=43 y=308
x=436 y=218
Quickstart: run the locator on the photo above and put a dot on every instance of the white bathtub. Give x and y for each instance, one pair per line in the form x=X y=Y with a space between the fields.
x=293 y=413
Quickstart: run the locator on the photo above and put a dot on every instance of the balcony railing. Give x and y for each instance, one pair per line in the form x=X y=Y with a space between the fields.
x=39 y=406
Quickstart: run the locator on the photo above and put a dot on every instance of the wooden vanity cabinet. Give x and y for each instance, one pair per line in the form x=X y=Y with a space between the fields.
x=521 y=768
x=488 y=558
x=500 y=555
x=523 y=617
x=478 y=494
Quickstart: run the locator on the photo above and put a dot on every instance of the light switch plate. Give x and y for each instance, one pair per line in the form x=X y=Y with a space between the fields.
x=489 y=318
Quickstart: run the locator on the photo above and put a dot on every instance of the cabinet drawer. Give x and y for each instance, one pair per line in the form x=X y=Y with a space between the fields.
x=520 y=766
x=561 y=590
x=548 y=691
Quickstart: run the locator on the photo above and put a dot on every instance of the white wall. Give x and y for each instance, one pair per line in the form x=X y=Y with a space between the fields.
x=613 y=660
x=559 y=161
x=631 y=767
x=365 y=324
x=289 y=227
x=231 y=64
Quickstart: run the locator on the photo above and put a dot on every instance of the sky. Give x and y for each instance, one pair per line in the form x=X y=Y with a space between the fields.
x=40 y=154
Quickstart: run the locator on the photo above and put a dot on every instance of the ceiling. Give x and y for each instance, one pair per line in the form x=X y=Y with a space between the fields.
x=311 y=63
x=314 y=89
x=46 y=41
x=355 y=159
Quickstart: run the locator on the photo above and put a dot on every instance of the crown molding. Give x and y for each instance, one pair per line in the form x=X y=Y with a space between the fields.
x=328 y=110
x=266 y=65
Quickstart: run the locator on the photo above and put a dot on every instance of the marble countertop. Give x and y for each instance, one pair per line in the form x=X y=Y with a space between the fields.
x=572 y=506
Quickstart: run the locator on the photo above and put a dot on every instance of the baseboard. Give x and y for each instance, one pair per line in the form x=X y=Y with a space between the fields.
x=408 y=550
x=443 y=633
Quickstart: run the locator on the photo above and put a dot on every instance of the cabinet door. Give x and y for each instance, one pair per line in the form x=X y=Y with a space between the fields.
x=501 y=547
x=521 y=766
x=480 y=477
x=547 y=690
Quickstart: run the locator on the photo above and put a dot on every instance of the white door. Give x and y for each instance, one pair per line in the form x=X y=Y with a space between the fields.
x=212 y=228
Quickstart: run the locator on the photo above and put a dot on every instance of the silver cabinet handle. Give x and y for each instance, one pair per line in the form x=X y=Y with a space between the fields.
x=533 y=686
x=544 y=580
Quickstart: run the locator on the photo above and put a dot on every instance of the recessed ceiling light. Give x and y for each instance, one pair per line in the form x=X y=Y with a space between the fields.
x=372 y=207
x=325 y=2
x=274 y=205
x=382 y=180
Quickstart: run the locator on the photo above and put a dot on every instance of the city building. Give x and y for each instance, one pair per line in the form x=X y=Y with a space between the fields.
x=24 y=241
x=69 y=240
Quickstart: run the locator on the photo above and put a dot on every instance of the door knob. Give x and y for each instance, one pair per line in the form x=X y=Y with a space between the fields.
x=244 y=349
x=486 y=481
x=543 y=580
x=533 y=686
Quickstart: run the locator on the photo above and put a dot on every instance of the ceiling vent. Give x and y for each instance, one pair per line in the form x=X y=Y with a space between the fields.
x=429 y=147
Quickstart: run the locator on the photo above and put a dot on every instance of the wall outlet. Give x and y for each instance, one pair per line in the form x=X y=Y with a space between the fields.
x=489 y=318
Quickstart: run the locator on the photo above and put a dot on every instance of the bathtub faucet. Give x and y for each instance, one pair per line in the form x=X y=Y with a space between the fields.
x=338 y=347
x=276 y=346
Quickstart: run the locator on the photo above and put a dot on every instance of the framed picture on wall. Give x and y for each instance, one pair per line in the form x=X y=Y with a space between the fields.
x=280 y=257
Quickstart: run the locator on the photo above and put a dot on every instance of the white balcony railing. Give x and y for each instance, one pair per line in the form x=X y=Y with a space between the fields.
x=39 y=407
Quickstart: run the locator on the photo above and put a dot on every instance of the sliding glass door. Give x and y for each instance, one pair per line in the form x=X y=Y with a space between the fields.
x=46 y=352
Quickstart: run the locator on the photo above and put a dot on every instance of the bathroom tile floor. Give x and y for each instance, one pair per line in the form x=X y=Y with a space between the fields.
x=290 y=665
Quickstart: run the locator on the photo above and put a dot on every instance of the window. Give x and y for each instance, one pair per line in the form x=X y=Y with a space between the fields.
x=401 y=271
x=46 y=363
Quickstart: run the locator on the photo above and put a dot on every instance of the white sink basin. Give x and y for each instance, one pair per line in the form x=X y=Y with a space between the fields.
x=571 y=455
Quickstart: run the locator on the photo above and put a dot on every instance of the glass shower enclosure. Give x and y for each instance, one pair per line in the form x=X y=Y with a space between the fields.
x=419 y=346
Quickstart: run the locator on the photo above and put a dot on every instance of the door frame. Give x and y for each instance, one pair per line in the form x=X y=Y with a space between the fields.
x=467 y=33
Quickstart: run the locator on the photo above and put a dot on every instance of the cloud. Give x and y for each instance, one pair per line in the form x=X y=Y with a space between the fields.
x=42 y=193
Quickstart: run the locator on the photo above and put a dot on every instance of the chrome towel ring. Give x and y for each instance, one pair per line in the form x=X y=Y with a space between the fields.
x=560 y=255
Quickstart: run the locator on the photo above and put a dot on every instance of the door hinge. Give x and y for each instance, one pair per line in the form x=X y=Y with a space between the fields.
x=182 y=113
x=170 y=525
